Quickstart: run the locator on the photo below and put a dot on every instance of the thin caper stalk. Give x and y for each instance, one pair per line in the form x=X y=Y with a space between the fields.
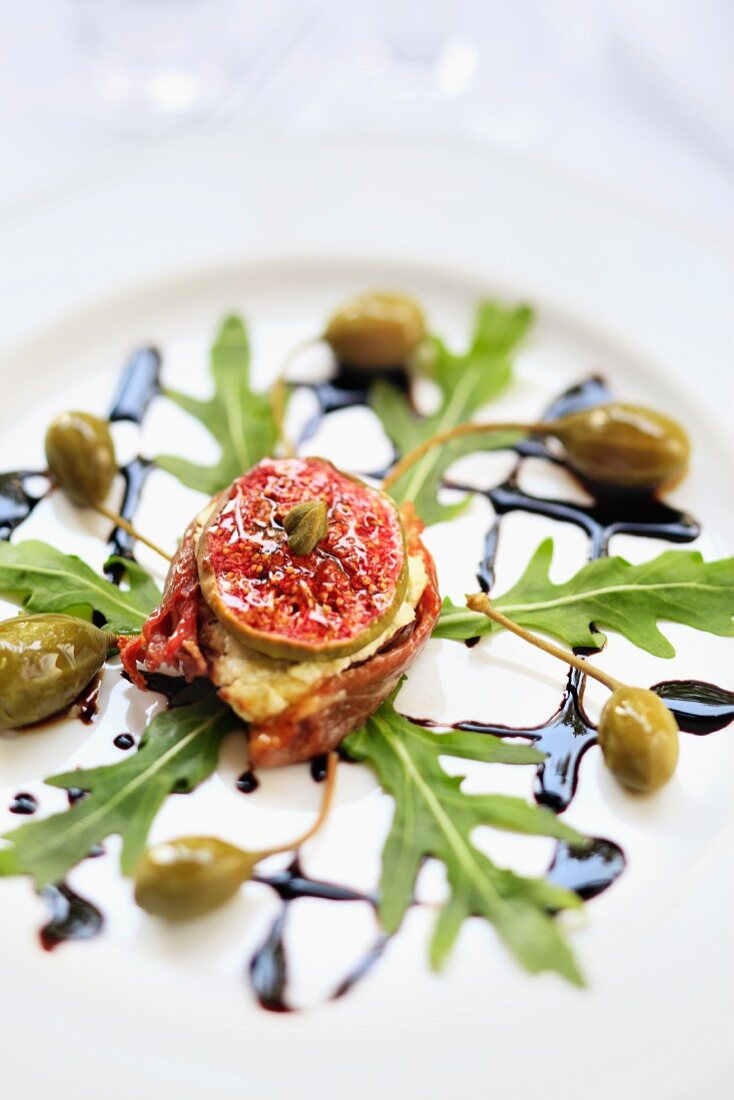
x=621 y=446
x=190 y=876
x=637 y=733
x=81 y=460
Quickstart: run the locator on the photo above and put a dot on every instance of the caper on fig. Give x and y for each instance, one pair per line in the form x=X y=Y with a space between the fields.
x=190 y=876
x=306 y=525
x=376 y=330
x=638 y=736
x=81 y=456
x=45 y=663
x=626 y=446
x=637 y=733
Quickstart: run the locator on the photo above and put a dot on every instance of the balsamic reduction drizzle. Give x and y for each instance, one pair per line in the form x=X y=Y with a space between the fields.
x=17 y=501
x=138 y=386
x=699 y=707
x=23 y=803
x=565 y=737
x=86 y=705
x=124 y=741
x=247 y=782
x=121 y=543
x=611 y=514
x=348 y=388
x=318 y=769
x=72 y=917
x=268 y=967
x=587 y=871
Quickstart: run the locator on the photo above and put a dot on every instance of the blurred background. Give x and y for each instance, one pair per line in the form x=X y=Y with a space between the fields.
x=634 y=97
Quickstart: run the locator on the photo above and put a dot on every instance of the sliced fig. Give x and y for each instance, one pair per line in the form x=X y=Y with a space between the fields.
x=329 y=602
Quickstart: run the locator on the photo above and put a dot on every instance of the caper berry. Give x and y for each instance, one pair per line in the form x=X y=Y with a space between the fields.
x=623 y=445
x=638 y=736
x=45 y=662
x=376 y=330
x=306 y=525
x=81 y=456
x=190 y=876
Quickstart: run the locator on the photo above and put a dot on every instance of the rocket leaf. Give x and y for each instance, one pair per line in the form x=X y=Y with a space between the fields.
x=435 y=818
x=677 y=586
x=43 y=579
x=240 y=420
x=177 y=752
x=466 y=382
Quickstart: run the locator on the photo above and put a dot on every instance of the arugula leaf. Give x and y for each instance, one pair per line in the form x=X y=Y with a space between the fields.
x=434 y=817
x=43 y=579
x=178 y=750
x=240 y=420
x=466 y=382
x=678 y=586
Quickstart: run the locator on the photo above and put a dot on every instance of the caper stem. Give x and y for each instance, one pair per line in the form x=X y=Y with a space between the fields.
x=540 y=428
x=480 y=602
x=326 y=802
x=278 y=393
x=120 y=521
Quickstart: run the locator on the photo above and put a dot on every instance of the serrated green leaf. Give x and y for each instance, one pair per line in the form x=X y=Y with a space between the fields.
x=466 y=382
x=241 y=421
x=677 y=586
x=177 y=752
x=435 y=818
x=43 y=579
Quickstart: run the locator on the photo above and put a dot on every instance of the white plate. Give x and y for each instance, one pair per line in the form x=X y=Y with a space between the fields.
x=159 y=252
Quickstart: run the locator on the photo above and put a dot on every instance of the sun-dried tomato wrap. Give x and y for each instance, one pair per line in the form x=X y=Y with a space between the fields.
x=170 y=634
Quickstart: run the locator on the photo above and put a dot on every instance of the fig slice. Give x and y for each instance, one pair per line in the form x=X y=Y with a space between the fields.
x=330 y=602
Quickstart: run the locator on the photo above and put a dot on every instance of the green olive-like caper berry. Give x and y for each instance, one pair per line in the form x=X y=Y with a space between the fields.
x=638 y=736
x=188 y=877
x=45 y=663
x=626 y=446
x=81 y=456
x=376 y=330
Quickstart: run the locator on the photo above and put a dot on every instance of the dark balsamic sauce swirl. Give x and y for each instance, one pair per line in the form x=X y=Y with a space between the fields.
x=587 y=871
x=135 y=474
x=348 y=388
x=18 y=498
x=268 y=967
x=23 y=803
x=72 y=916
x=86 y=705
x=139 y=384
x=699 y=707
x=247 y=783
x=565 y=737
